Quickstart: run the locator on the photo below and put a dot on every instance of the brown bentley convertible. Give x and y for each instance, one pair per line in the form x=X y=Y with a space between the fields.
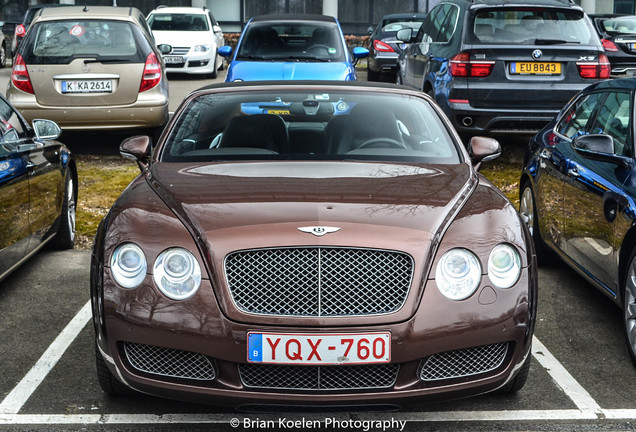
x=305 y=243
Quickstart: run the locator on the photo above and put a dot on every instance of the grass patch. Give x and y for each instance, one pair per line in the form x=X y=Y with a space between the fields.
x=101 y=181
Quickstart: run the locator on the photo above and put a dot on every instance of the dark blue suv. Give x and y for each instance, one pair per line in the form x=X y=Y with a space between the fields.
x=495 y=66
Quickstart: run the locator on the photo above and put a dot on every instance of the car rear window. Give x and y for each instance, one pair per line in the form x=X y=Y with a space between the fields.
x=397 y=24
x=305 y=125
x=292 y=41
x=527 y=25
x=55 y=42
x=177 y=22
x=621 y=25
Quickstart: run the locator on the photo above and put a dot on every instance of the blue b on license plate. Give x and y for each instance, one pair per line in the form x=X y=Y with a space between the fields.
x=319 y=348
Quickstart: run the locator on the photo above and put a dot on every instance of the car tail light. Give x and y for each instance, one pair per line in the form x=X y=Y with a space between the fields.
x=551 y=139
x=152 y=73
x=609 y=45
x=382 y=47
x=462 y=66
x=20 y=75
x=595 y=69
x=20 y=30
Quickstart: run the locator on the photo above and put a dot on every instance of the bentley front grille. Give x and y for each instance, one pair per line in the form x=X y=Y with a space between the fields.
x=464 y=362
x=356 y=377
x=169 y=362
x=319 y=281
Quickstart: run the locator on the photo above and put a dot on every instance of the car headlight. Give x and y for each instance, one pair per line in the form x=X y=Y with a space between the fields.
x=128 y=265
x=458 y=274
x=504 y=266
x=201 y=48
x=177 y=273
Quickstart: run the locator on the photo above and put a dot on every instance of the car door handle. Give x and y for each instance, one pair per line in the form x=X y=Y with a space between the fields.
x=574 y=172
x=30 y=165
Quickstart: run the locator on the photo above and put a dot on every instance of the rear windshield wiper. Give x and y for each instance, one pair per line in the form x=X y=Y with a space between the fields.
x=110 y=60
x=553 y=42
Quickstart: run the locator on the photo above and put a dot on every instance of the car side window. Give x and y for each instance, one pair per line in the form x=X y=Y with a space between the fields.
x=11 y=127
x=428 y=25
x=575 y=121
x=614 y=119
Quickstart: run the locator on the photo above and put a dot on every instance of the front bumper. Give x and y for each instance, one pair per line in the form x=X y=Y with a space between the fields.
x=196 y=329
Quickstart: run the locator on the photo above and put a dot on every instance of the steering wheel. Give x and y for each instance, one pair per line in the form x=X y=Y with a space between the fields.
x=393 y=143
x=318 y=47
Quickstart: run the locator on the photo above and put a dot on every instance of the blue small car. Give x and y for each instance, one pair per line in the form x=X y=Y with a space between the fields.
x=292 y=47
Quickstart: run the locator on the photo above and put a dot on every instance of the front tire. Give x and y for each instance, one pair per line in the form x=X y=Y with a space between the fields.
x=107 y=381
x=215 y=72
x=65 y=237
x=519 y=380
x=528 y=212
x=3 y=56
x=629 y=306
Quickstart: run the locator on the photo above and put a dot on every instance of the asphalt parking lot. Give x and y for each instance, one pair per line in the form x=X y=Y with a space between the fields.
x=581 y=377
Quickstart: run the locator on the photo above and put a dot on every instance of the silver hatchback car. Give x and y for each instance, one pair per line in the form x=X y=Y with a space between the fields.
x=90 y=68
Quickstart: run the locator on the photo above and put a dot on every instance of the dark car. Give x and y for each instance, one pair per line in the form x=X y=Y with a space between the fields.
x=3 y=47
x=38 y=189
x=384 y=47
x=578 y=192
x=306 y=243
x=292 y=47
x=496 y=66
x=618 y=36
x=21 y=28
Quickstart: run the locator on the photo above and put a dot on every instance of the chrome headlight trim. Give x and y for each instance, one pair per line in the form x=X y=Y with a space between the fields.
x=504 y=266
x=177 y=273
x=458 y=274
x=128 y=265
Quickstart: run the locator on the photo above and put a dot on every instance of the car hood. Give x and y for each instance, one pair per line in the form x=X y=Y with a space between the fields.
x=183 y=38
x=271 y=71
x=262 y=204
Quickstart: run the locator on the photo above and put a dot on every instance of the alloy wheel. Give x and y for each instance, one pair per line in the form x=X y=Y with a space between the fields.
x=526 y=209
x=629 y=307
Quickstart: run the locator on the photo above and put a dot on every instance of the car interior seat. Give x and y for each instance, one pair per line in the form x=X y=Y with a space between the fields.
x=265 y=131
x=367 y=122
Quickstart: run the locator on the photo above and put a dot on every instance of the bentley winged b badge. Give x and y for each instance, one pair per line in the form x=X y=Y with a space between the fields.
x=318 y=230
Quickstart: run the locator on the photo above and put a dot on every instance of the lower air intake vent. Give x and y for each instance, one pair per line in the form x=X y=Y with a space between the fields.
x=169 y=362
x=465 y=362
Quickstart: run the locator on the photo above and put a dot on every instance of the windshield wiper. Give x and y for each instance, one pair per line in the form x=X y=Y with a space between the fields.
x=251 y=57
x=114 y=60
x=299 y=57
x=553 y=41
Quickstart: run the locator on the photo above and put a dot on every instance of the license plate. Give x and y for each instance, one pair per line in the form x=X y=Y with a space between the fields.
x=535 y=68
x=173 y=60
x=632 y=46
x=87 y=86
x=277 y=111
x=319 y=348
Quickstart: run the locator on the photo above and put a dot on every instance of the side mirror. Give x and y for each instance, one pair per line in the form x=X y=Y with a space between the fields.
x=225 y=51
x=136 y=148
x=371 y=29
x=46 y=129
x=216 y=29
x=165 y=48
x=599 y=147
x=358 y=53
x=404 y=35
x=483 y=149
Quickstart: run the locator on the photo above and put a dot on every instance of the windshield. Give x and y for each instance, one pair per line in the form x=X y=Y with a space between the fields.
x=305 y=125
x=292 y=41
x=524 y=25
x=621 y=25
x=177 y=22
x=60 y=41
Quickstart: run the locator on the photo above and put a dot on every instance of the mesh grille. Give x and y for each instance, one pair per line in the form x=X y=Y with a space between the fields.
x=319 y=281
x=356 y=377
x=169 y=362
x=465 y=362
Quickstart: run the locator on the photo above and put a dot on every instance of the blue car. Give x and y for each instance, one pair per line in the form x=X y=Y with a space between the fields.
x=578 y=192
x=292 y=47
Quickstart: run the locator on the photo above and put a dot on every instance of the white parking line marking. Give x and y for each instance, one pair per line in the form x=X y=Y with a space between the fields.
x=25 y=388
x=588 y=409
x=562 y=377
